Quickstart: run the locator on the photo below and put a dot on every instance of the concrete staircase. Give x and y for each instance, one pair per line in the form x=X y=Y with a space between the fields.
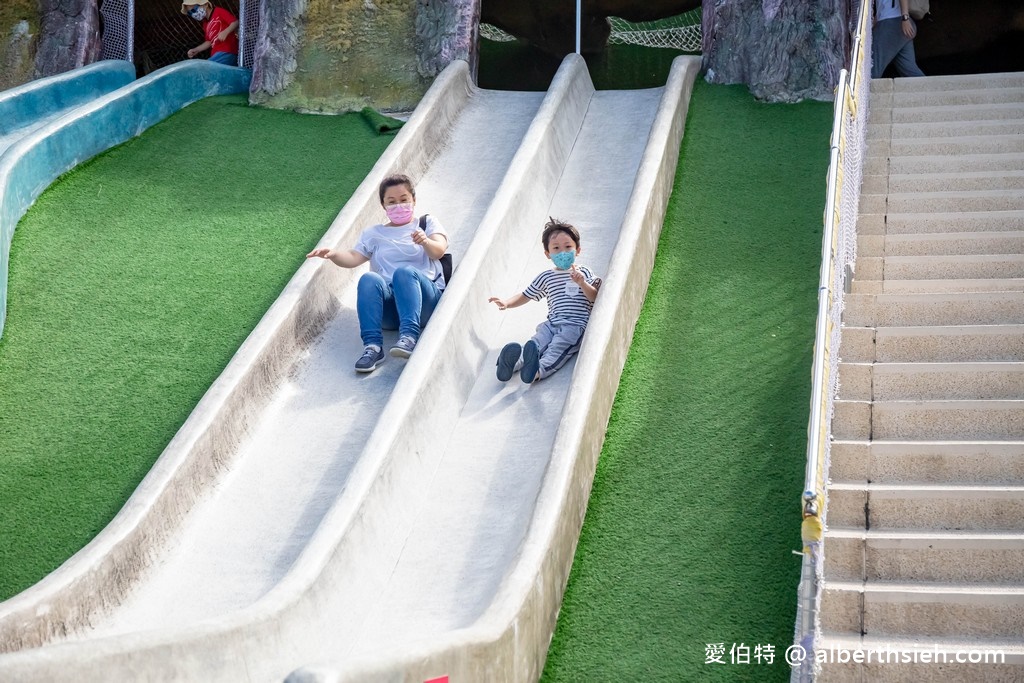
x=925 y=543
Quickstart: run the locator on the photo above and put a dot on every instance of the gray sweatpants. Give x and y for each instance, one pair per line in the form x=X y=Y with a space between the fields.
x=557 y=342
x=888 y=44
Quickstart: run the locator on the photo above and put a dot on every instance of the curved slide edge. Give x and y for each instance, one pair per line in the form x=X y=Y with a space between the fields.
x=100 y=574
x=295 y=620
x=37 y=99
x=31 y=164
x=509 y=642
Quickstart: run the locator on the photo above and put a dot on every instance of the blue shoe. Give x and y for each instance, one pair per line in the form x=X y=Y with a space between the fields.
x=531 y=362
x=507 y=359
x=371 y=358
x=403 y=347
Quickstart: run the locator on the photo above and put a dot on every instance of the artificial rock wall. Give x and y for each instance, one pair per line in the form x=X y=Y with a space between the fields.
x=343 y=55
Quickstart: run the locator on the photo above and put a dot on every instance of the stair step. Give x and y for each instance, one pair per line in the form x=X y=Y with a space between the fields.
x=905 y=310
x=947 y=113
x=959 y=181
x=877 y=223
x=942 y=202
x=967 y=420
x=927 y=462
x=965 y=144
x=946 y=83
x=923 y=610
x=926 y=507
x=924 y=556
x=916 y=659
x=939 y=267
x=930 y=381
x=943 y=129
x=964 y=163
x=1002 y=243
x=946 y=98
x=938 y=286
x=937 y=344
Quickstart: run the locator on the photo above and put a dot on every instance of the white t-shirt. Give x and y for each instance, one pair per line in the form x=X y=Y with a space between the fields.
x=887 y=9
x=390 y=247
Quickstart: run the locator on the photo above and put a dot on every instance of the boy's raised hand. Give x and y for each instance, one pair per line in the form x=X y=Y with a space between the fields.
x=576 y=275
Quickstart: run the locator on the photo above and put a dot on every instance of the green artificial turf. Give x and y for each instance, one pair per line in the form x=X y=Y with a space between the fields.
x=695 y=510
x=133 y=280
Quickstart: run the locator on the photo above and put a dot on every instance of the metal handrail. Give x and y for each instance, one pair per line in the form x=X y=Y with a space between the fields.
x=819 y=427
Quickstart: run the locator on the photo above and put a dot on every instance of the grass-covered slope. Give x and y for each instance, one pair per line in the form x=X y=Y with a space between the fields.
x=695 y=509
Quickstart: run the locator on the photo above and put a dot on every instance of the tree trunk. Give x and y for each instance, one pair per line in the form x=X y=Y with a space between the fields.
x=784 y=51
x=69 y=36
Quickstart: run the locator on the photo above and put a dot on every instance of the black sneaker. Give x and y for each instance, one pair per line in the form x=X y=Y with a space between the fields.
x=507 y=359
x=531 y=362
x=371 y=358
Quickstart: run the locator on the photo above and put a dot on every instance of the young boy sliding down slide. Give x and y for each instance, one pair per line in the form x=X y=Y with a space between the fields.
x=571 y=290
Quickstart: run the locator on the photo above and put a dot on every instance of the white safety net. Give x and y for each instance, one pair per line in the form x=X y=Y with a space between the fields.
x=117 y=18
x=681 y=32
x=248 y=31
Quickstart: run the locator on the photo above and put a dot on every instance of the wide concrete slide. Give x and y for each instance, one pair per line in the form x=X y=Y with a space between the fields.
x=52 y=125
x=305 y=513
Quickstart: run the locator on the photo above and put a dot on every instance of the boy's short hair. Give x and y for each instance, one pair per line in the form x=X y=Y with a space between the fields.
x=392 y=181
x=555 y=226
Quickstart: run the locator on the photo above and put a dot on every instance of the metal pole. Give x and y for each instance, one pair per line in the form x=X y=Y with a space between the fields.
x=578 y=12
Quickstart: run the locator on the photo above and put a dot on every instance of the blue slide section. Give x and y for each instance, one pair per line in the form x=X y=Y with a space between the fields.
x=33 y=105
x=59 y=123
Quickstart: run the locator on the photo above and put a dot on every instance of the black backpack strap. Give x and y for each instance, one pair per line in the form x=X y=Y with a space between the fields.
x=423 y=222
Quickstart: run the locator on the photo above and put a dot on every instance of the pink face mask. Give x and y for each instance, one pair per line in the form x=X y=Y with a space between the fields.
x=399 y=214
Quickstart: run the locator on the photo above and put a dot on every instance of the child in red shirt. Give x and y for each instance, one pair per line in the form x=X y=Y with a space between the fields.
x=220 y=27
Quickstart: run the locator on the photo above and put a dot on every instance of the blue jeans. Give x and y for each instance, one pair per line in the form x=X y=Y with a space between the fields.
x=405 y=304
x=229 y=58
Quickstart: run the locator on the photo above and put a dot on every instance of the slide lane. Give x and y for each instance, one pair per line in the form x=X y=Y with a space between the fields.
x=250 y=527
x=29 y=107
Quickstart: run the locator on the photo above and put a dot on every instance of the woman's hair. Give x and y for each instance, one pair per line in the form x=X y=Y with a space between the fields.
x=392 y=181
x=555 y=226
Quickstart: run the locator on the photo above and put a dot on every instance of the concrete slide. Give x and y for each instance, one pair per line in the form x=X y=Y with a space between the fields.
x=311 y=523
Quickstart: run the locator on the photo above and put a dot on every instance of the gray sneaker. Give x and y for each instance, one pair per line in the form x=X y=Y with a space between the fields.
x=403 y=347
x=371 y=358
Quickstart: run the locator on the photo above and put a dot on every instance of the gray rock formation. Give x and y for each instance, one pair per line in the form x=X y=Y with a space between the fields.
x=330 y=56
x=785 y=51
x=446 y=31
x=16 y=55
x=69 y=36
x=275 y=58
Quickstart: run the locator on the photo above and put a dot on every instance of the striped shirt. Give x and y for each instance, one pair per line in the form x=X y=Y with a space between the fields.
x=566 y=301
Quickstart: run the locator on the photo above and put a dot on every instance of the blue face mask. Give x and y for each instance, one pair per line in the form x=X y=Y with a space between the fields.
x=563 y=259
x=196 y=12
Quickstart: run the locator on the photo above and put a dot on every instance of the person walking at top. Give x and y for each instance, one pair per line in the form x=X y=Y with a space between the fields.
x=892 y=39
